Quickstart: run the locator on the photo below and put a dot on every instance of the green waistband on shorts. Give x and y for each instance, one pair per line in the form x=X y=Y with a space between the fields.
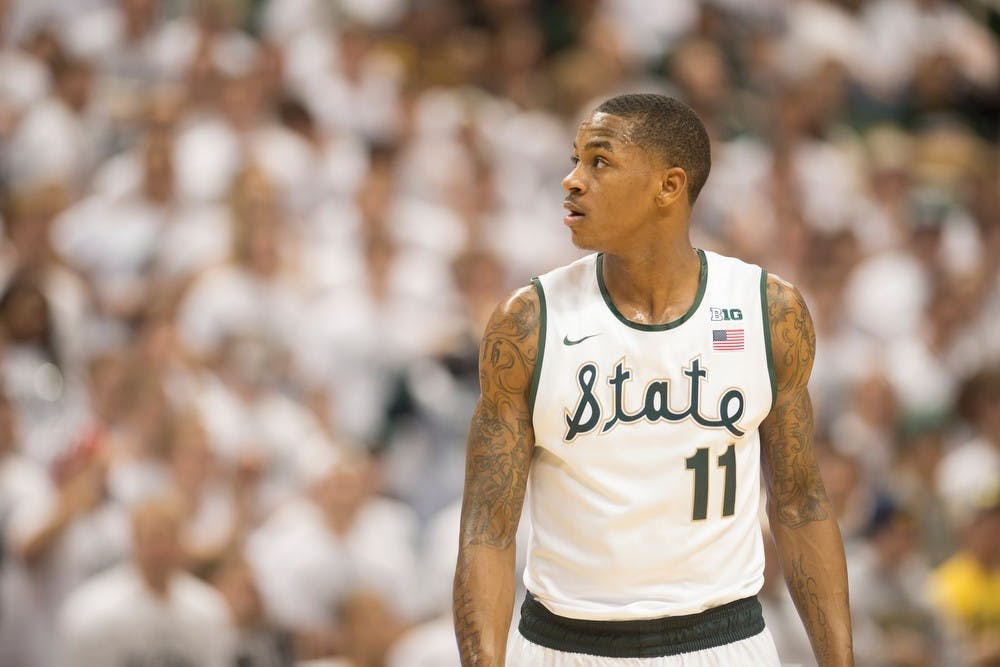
x=646 y=638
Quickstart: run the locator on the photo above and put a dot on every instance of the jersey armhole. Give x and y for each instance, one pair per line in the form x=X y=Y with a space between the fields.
x=542 y=326
x=767 y=338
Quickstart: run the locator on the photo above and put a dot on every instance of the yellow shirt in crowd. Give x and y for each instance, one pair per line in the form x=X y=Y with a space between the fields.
x=967 y=591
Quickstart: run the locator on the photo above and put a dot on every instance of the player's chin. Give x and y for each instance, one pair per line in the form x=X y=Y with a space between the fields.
x=582 y=240
x=582 y=243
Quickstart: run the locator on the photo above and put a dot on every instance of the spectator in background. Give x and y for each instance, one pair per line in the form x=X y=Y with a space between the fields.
x=215 y=511
x=56 y=139
x=894 y=623
x=241 y=403
x=28 y=215
x=971 y=471
x=37 y=367
x=258 y=642
x=147 y=612
x=850 y=490
x=24 y=81
x=252 y=295
x=61 y=530
x=370 y=625
x=207 y=150
x=111 y=241
x=918 y=455
x=866 y=429
x=136 y=431
x=422 y=433
x=311 y=554
x=926 y=369
x=431 y=641
x=966 y=588
x=22 y=623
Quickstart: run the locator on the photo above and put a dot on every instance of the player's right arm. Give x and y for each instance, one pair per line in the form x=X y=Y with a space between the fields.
x=501 y=440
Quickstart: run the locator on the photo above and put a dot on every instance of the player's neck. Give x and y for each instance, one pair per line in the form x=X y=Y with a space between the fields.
x=655 y=284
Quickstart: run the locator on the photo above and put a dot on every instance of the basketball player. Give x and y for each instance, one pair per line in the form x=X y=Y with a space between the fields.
x=646 y=388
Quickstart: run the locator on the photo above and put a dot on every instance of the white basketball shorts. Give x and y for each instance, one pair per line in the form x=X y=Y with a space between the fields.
x=756 y=651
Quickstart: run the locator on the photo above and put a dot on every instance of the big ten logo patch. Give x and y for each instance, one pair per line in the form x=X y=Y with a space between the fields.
x=726 y=314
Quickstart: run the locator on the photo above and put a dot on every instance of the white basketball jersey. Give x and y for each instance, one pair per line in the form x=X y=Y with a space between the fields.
x=645 y=483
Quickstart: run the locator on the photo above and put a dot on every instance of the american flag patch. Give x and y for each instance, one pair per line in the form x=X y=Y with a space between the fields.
x=727 y=339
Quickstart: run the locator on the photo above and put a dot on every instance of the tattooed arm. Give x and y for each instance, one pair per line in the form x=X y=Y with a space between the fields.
x=501 y=439
x=804 y=528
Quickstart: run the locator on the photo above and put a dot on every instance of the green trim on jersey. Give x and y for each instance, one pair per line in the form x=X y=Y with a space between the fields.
x=541 y=344
x=702 y=282
x=767 y=337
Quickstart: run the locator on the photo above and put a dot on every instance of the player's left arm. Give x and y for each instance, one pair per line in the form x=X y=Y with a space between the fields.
x=802 y=522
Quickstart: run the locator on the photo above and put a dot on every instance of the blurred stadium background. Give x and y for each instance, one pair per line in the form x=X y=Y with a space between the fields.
x=249 y=248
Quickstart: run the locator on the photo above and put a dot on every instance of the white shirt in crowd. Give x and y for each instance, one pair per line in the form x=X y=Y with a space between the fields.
x=21 y=641
x=92 y=542
x=51 y=143
x=968 y=474
x=115 y=619
x=305 y=571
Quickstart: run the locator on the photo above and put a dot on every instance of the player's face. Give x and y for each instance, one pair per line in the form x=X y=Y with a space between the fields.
x=612 y=189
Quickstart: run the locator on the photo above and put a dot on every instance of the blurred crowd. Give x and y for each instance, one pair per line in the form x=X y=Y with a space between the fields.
x=249 y=247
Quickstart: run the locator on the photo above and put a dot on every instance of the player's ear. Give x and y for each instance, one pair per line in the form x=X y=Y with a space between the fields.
x=673 y=187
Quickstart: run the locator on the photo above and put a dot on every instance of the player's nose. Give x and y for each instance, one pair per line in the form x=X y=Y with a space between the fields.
x=573 y=182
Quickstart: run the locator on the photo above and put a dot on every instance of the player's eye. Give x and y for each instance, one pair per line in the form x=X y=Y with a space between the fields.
x=600 y=162
x=574 y=160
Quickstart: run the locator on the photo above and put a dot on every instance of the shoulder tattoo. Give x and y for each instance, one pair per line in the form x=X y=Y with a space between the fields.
x=793 y=337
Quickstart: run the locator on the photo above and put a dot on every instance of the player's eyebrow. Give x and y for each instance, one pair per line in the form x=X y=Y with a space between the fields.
x=597 y=143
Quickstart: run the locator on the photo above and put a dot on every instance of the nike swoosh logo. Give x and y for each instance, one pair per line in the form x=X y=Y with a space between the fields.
x=567 y=341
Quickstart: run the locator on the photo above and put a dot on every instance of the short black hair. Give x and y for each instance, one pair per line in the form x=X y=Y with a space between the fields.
x=669 y=128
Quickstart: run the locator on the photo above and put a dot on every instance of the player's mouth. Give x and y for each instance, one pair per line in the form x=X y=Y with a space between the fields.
x=574 y=213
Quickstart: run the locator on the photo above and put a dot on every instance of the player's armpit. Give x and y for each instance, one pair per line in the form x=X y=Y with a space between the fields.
x=501 y=439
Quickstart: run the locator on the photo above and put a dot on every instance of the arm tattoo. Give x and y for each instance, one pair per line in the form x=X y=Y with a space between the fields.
x=501 y=438
x=805 y=531
x=808 y=601
x=795 y=490
x=464 y=614
x=792 y=334
x=501 y=433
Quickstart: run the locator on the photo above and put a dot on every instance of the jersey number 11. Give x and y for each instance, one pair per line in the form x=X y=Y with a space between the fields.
x=699 y=463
